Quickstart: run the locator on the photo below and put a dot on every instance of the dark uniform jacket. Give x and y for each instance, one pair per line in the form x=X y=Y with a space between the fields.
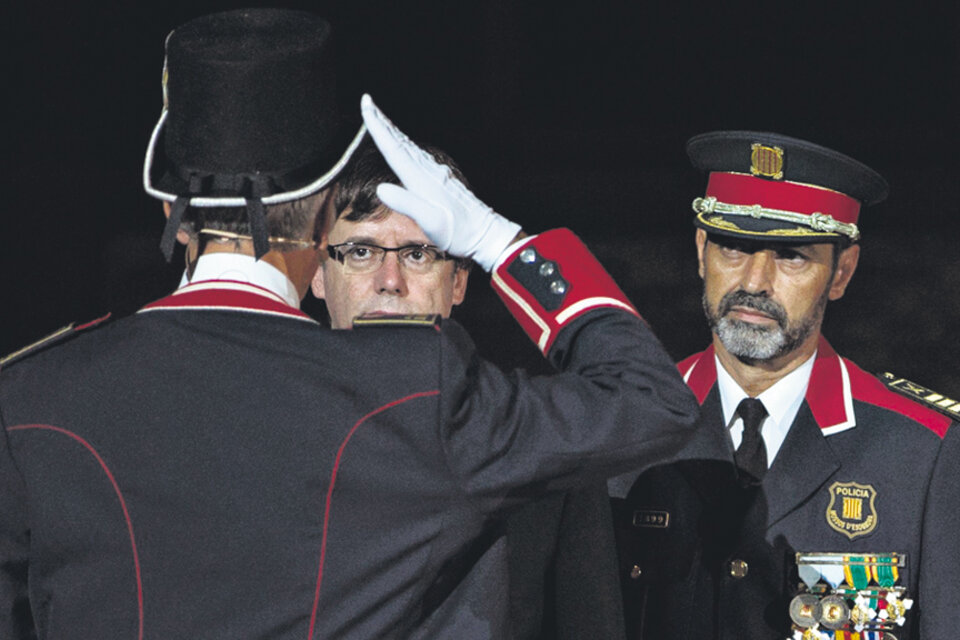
x=547 y=571
x=220 y=466
x=701 y=558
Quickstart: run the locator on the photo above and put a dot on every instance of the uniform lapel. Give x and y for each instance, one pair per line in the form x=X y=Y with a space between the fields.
x=708 y=458
x=710 y=439
x=804 y=463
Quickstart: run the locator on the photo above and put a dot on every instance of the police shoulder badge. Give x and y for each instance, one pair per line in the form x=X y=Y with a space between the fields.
x=56 y=337
x=936 y=401
x=852 y=510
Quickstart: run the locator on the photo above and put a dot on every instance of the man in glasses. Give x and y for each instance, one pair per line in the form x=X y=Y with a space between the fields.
x=382 y=264
x=219 y=465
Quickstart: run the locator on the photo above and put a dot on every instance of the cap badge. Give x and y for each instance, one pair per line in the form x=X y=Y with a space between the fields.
x=852 y=509
x=766 y=161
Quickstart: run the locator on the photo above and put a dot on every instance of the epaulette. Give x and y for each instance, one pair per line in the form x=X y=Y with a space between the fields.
x=56 y=337
x=923 y=395
x=398 y=320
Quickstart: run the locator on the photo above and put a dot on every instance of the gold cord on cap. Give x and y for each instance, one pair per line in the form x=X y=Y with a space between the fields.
x=818 y=221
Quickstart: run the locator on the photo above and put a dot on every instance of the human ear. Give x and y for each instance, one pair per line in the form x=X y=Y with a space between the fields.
x=846 y=265
x=460 y=285
x=316 y=285
x=701 y=241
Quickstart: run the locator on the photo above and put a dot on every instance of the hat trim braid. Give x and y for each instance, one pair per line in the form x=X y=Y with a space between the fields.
x=817 y=221
x=237 y=201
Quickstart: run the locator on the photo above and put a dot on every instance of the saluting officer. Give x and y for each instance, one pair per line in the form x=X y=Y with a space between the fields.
x=822 y=459
x=219 y=465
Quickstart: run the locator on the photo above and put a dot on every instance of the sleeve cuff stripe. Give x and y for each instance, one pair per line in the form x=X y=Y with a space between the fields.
x=589 y=303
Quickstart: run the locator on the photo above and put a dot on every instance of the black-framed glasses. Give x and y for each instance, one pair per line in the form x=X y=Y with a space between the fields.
x=362 y=257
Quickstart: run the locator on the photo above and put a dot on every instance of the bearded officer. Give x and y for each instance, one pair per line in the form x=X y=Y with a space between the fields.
x=798 y=449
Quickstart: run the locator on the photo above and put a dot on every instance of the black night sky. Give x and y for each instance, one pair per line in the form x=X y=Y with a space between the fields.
x=562 y=114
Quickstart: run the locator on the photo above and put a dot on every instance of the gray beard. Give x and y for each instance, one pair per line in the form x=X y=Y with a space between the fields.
x=751 y=343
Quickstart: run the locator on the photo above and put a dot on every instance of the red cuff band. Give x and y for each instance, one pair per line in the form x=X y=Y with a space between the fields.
x=586 y=286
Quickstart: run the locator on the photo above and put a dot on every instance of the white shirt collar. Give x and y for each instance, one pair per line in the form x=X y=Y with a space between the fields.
x=243 y=268
x=782 y=402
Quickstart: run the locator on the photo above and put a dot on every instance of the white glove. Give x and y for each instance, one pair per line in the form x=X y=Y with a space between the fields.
x=451 y=216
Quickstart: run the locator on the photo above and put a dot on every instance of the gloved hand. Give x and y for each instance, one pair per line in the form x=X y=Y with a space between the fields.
x=451 y=216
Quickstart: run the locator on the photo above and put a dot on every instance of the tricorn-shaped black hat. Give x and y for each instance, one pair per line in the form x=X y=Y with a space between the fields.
x=250 y=116
x=774 y=187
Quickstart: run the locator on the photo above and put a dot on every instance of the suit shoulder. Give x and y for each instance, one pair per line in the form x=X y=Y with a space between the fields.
x=59 y=336
x=906 y=398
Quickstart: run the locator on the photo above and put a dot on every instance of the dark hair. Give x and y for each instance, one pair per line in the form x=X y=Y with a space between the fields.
x=295 y=220
x=357 y=185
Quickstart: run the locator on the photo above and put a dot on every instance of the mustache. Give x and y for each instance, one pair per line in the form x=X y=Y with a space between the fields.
x=757 y=301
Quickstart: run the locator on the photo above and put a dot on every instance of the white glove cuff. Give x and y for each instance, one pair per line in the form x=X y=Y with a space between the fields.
x=496 y=239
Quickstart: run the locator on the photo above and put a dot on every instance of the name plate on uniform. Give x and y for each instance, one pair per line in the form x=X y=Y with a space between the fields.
x=842 y=594
x=651 y=519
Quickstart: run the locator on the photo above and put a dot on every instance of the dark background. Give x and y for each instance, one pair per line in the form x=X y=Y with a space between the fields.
x=571 y=114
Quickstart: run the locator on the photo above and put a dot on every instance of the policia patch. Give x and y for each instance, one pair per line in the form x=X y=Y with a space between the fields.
x=852 y=510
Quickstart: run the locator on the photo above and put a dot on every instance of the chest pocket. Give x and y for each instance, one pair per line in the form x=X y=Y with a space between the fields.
x=658 y=527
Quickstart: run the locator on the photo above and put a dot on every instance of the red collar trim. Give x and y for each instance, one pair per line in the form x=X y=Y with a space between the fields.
x=828 y=392
x=227 y=295
x=700 y=373
x=834 y=383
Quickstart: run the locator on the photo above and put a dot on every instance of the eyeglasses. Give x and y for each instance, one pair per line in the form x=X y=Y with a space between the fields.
x=360 y=257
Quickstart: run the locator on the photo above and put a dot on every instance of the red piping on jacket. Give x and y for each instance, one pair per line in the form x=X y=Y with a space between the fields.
x=123 y=505
x=333 y=480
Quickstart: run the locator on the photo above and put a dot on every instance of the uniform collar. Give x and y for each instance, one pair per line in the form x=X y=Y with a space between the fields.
x=237 y=267
x=234 y=282
x=781 y=401
x=828 y=390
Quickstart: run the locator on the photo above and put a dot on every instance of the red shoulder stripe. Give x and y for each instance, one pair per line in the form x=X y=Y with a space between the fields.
x=226 y=295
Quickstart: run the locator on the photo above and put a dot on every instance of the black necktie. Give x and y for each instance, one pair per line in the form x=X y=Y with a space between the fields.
x=751 y=455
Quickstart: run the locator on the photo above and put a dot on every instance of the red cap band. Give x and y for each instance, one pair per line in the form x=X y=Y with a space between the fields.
x=740 y=189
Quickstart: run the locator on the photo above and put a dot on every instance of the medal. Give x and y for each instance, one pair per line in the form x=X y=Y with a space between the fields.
x=896 y=609
x=810 y=574
x=834 y=612
x=885 y=572
x=862 y=613
x=805 y=610
x=856 y=571
x=848 y=597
